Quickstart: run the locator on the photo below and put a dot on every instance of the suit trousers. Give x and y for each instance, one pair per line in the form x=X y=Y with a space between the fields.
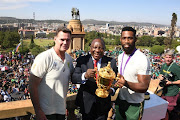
x=55 y=117
x=95 y=108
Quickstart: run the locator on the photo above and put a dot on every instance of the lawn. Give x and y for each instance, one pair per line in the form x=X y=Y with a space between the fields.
x=111 y=47
x=50 y=42
x=40 y=42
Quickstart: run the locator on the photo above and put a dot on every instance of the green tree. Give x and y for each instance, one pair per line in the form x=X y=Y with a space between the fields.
x=110 y=36
x=1 y=37
x=7 y=42
x=117 y=40
x=160 y=40
x=173 y=25
x=167 y=42
x=105 y=35
x=32 y=44
x=145 y=41
x=87 y=47
x=24 y=50
x=157 y=49
x=10 y=39
x=89 y=37
x=97 y=35
x=51 y=35
x=36 y=50
x=109 y=39
x=175 y=43
x=32 y=39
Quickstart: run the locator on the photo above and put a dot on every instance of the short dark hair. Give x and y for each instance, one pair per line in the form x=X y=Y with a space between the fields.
x=63 y=29
x=127 y=28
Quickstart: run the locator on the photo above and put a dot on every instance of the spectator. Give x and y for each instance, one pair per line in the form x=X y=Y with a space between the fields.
x=170 y=80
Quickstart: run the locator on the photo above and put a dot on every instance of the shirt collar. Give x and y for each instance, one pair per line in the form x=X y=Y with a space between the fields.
x=99 y=61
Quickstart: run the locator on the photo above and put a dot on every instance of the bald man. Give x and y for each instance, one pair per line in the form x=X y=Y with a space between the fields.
x=91 y=106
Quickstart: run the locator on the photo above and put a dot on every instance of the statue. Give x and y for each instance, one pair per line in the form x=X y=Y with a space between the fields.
x=75 y=13
x=72 y=12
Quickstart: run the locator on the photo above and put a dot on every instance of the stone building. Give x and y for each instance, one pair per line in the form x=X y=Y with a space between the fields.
x=77 y=30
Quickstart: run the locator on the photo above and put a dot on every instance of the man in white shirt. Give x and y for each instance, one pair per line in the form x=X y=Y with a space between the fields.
x=134 y=78
x=49 y=79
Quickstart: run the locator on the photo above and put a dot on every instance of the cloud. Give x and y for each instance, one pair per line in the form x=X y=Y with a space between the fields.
x=16 y=4
x=13 y=7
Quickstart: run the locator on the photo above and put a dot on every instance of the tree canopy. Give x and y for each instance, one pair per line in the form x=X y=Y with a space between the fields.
x=108 y=38
x=173 y=25
x=9 y=39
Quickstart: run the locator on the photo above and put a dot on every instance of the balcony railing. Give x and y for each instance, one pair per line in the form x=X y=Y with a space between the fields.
x=25 y=107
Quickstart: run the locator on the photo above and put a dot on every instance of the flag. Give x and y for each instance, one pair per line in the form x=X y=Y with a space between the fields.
x=17 y=47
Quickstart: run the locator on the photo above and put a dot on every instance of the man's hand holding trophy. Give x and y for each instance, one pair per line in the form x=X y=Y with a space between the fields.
x=104 y=79
x=120 y=81
x=90 y=73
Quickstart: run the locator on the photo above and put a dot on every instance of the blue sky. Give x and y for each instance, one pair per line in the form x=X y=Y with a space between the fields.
x=153 y=11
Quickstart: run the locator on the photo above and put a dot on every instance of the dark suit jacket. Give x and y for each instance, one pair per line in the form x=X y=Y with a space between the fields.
x=86 y=97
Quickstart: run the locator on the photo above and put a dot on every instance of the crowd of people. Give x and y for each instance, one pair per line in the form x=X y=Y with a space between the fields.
x=20 y=76
x=156 y=60
x=17 y=68
x=14 y=76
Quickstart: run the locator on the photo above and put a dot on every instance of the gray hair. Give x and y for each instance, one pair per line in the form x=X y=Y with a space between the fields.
x=169 y=52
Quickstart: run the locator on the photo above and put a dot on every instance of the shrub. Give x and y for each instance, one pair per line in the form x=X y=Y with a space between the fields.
x=157 y=49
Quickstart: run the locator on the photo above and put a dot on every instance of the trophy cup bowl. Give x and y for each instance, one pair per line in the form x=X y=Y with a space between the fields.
x=104 y=80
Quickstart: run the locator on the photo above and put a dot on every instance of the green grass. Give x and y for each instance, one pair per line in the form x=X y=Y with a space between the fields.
x=144 y=47
x=40 y=42
x=50 y=42
x=111 y=47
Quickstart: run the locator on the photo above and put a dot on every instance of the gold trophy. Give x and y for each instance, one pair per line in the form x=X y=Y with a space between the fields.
x=104 y=80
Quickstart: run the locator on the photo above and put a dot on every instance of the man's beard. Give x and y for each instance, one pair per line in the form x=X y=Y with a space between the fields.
x=128 y=50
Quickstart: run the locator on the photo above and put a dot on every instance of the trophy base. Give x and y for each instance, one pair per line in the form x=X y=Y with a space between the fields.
x=102 y=93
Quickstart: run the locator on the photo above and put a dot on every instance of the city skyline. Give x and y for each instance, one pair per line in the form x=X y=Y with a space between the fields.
x=153 y=11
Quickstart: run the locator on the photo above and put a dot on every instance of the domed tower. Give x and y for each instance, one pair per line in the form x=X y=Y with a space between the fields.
x=77 y=30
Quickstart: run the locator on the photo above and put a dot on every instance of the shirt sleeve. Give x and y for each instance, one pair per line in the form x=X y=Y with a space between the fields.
x=144 y=67
x=83 y=78
x=39 y=67
x=177 y=70
x=71 y=66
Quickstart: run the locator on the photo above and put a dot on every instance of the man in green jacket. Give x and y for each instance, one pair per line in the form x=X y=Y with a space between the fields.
x=170 y=80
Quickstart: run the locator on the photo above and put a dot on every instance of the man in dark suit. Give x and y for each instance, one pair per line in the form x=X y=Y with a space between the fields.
x=91 y=106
